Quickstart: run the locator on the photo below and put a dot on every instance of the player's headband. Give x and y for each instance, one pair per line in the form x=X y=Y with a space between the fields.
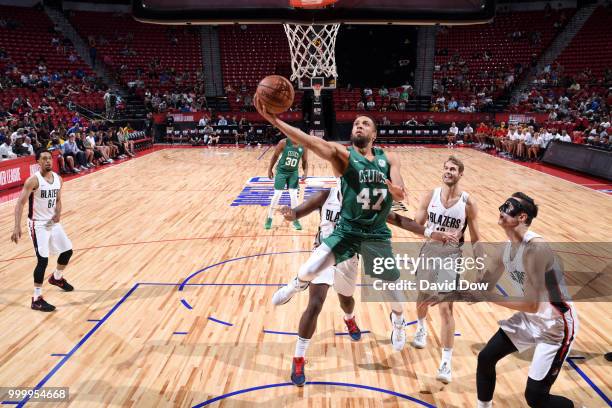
x=513 y=207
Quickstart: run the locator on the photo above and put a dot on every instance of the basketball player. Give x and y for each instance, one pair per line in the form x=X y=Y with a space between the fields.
x=545 y=320
x=42 y=192
x=371 y=180
x=449 y=209
x=287 y=176
x=343 y=276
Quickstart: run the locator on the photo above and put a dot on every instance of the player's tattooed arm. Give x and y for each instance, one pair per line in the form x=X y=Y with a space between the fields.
x=313 y=203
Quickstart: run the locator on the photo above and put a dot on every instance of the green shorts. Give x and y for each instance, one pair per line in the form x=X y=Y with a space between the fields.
x=283 y=180
x=375 y=250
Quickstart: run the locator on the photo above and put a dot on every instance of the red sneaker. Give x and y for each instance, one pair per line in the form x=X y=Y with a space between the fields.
x=353 y=329
x=298 y=377
x=61 y=283
x=41 y=305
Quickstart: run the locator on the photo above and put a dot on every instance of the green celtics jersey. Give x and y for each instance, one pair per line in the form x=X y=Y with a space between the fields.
x=290 y=158
x=366 y=201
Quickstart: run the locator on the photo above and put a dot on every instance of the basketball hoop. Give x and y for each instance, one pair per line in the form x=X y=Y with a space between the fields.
x=313 y=50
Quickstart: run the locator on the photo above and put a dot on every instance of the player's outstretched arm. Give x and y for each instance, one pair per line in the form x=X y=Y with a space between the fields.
x=313 y=203
x=30 y=185
x=396 y=184
x=335 y=153
x=411 y=225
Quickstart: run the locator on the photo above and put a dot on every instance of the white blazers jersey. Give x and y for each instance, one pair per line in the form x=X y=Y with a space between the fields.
x=453 y=219
x=330 y=214
x=43 y=200
x=552 y=328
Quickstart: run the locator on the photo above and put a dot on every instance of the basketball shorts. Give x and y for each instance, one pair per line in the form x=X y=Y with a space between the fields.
x=374 y=248
x=284 y=180
x=438 y=267
x=343 y=277
x=48 y=238
x=551 y=338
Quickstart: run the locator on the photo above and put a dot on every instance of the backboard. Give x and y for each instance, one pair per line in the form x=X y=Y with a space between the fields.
x=302 y=11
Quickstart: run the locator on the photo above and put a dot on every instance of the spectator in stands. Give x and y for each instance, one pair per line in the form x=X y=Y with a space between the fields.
x=453 y=131
x=72 y=155
x=367 y=92
x=383 y=92
x=412 y=122
x=468 y=134
x=125 y=145
x=6 y=150
x=360 y=105
x=222 y=121
x=27 y=145
x=203 y=121
x=86 y=148
x=385 y=121
x=370 y=104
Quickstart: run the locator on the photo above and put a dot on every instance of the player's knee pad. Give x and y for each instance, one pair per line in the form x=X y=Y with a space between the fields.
x=536 y=394
x=64 y=257
x=41 y=267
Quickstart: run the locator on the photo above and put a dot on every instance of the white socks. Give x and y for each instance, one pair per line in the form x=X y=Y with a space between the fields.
x=397 y=319
x=37 y=292
x=447 y=354
x=293 y=195
x=348 y=316
x=57 y=274
x=421 y=324
x=301 y=346
x=488 y=404
x=274 y=202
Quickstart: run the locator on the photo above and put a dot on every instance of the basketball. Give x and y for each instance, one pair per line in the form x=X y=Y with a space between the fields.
x=276 y=93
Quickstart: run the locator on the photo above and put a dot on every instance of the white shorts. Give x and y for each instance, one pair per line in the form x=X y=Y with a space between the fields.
x=48 y=238
x=343 y=277
x=552 y=339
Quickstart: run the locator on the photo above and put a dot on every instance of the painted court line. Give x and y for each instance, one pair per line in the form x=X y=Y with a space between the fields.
x=219 y=321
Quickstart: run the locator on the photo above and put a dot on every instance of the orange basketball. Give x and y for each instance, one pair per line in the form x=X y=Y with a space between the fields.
x=276 y=93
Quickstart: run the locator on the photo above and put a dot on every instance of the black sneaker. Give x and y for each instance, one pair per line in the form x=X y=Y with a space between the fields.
x=41 y=305
x=61 y=283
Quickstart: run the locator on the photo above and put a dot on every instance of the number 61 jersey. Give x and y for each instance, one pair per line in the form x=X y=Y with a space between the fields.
x=366 y=201
x=42 y=201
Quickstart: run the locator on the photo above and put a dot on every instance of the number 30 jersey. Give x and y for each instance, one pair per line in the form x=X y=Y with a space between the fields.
x=43 y=200
x=290 y=157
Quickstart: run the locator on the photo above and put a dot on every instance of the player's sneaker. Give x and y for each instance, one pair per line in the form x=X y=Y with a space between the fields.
x=284 y=294
x=444 y=372
x=297 y=225
x=420 y=338
x=40 y=304
x=298 y=377
x=398 y=334
x=61 y=283
x=353 y=329
x=268 y=223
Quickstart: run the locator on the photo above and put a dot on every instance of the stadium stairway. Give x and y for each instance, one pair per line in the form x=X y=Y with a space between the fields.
x=423 y=75
x=211 y=61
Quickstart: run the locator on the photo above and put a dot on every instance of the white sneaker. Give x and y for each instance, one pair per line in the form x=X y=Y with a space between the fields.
x=284 y=294
x=398 y=334
x=444 y=372
x=420 y=338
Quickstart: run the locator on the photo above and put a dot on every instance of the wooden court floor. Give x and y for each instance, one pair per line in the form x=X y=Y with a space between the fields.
x=131 y=336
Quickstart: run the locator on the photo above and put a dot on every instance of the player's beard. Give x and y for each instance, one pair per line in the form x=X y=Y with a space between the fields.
x=360 y=141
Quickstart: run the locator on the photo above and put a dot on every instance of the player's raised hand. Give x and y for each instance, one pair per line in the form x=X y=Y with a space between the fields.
x=261 y=108
x=288 y=213
x=398 y=193
x=16 y=234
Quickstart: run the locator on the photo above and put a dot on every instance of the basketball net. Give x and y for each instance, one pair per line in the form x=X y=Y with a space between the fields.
x=313 y=50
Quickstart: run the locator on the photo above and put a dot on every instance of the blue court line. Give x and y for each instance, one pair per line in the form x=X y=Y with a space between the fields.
x=588 y=380
x=264 y=152
x=457 y=334
x=219 y=321
x=280 y=332
x=93 y=320
x=503 y=292
x=180 y=333
x=186 y=304
x=79 y=344
x=576 y=358
x=346 y=334
x=210 y=284
x=182 y=285
x=411 y=323
x=10 y=402
x=57 y=355
x=287 y=384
